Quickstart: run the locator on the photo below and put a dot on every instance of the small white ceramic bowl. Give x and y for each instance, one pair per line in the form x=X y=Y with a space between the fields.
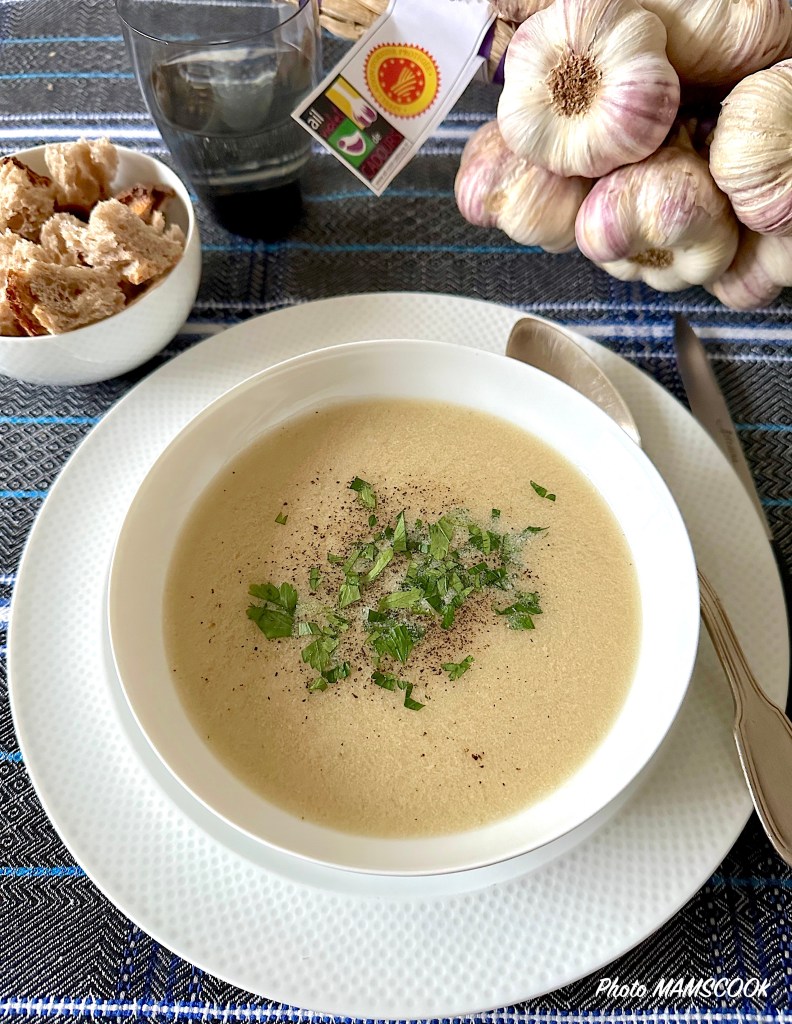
x=121 y=342
x=617 y=468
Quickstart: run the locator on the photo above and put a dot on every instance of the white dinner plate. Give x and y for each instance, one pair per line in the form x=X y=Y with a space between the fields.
x=330 y=940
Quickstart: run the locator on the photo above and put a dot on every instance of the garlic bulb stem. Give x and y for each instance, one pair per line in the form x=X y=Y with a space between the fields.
x=588 y=87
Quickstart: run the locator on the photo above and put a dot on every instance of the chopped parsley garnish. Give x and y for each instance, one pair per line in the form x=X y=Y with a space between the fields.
x=400 y=534
x=350 y=592
x=386 y=680
x=542 y=491
x=282 y=518
x=400 y=599
x=275 y=618
x=457 y=669
x=383 y=559
x=365 y=493
x=440 y=535
x=520 y=612
x=407 y=583
x=409 y=703
x=391 y=639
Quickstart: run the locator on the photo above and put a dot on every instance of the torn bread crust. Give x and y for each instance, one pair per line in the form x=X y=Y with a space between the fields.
x=61 y=239
x=82 y=172
x=15 y=253
x=27 y=199
x=45 y=297
x=145 y=200
x=117 y=237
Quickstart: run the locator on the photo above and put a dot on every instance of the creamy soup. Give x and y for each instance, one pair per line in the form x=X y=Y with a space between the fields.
x=480 y=718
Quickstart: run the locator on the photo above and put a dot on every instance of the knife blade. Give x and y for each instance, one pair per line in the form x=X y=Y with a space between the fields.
x=709 y=407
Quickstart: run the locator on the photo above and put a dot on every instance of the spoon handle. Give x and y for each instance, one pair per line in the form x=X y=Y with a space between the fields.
x=761 y=729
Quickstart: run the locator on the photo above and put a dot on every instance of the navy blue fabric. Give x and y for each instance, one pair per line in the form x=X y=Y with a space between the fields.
x=65 y=951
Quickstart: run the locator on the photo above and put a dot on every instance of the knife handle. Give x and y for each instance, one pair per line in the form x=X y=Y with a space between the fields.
x=761 y=729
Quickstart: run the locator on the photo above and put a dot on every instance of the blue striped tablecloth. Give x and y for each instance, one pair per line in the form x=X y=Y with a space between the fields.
x=65 y=951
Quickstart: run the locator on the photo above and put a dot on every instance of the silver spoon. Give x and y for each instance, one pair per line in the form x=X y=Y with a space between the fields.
x=762 y=731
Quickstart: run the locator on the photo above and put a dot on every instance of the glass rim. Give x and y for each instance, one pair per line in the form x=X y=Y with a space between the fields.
x=299 y=7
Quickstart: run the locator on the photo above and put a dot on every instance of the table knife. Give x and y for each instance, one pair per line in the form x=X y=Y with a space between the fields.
x=709 y=406
x=710 y=409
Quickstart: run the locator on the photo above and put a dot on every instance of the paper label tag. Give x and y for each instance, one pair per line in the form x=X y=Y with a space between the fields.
x=397 y=83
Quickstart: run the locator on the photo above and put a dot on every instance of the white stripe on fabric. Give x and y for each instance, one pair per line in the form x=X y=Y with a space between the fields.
x=76 y=133
x=91 y=1007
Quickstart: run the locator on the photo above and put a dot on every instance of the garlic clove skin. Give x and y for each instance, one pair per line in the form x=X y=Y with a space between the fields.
x=518 y=10
x=588 y=87
x=495 y=188
x=751 y=151
x=761 y=268
x=719 y=42
x=662 y=221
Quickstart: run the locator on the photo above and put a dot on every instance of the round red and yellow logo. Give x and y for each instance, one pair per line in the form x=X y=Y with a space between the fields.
x=404 y=80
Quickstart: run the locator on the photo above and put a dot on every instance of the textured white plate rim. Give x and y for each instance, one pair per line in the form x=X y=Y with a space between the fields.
x=447 y=994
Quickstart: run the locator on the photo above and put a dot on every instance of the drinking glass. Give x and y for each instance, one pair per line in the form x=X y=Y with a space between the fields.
x=221 y=78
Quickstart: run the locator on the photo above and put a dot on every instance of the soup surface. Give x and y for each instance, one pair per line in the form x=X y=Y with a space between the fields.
x=481 y=718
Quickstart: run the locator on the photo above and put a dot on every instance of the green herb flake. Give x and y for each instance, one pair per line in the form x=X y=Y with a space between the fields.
x=484 y=541
x=400 y=534
x=353 y=559
x=383 y=559
x=282 y=518
x=457 y=669
x=402 y=642
x=365 y=493
x=495 y=513
x=319 y=684
x=335 y=559
x=349 y=592
x=409 y=703
x=314 y=579
x=319 y=653
x=400 y=599
x=542 y=491
x=392 y=639
x=386 y=680
x=275 y=621
x=372 y=521
x=440 y=535
x=520 y=612
x=272 y=622
x=337 y=672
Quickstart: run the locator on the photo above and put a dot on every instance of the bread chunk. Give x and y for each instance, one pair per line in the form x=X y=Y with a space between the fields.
x=27 y=199
x=62 y=239
x=82 y=172
x=15 y=252
x=117 y=237
x=9 y=325
x=46 y=297
x=145 y=200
